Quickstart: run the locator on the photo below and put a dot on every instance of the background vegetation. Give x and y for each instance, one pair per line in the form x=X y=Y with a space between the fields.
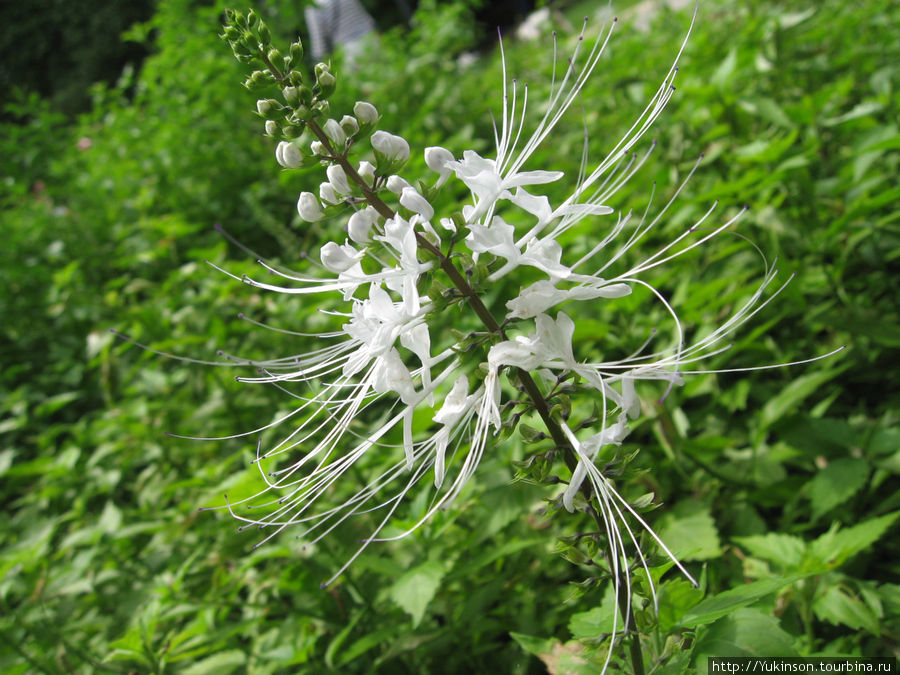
x=778 y=488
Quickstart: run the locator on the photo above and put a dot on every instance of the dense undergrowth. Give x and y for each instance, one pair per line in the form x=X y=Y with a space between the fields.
x=778 y=487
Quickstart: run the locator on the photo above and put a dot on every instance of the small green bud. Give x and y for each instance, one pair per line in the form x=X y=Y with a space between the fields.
x=274 y=55
x=291 y=96
x=231 y=33
x=296 y=53
x=272 y=128
x=252 y=19
x=325 y=81
x=265 y=37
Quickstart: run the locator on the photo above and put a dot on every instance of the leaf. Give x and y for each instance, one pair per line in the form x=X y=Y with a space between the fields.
x=792 y=395
x=837 y=546
x=722 y=74
x=836 y=483
x=719 y=605
x=675 y=598
x=223 y=662
x=599 y=620
x=783 y=549
x=746 y=632
x=837 y=607
x=415 y=589
x=690 y=532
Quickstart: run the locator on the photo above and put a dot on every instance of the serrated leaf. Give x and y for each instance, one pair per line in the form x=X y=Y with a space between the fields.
x=599 y=620
x=837 y=546
x=746 y=632
x=837 y=607
x=783 y=549
x=836 y=483
x=717 y=606
x=690 y=532
x=415 y=589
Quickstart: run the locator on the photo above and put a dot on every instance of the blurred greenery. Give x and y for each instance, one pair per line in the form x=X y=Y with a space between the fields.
x=779 y=487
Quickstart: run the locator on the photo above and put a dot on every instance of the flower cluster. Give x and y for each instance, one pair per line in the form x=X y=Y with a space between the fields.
x=437 y=397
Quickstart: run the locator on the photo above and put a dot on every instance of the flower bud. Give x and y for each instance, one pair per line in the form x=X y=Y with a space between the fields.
x=296 y=53
x=349 y=125
x=416 y=203
x=338 y=179
x=396 y=184
x=325 y=80
x=360 y=224
x=288 y=155
x=335 y=134
x=308 y=207
x=394 y=148
x=292 y=96
x=271 y=128
x=365 y=112
x=366 y=171
x=317 y=148
x=327 y=193
x=437 y=159
x=336 y=258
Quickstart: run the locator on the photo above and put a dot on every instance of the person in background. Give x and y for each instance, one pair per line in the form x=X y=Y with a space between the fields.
x=337 y=23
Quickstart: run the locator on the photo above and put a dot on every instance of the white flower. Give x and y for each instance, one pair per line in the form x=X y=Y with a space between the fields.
x=335 y=134
x=411 y=199
x=393 y=148
x=366 y=170
x=328 y=194
x=365 y=112
x=396 y=184
x=308 y=207
x=360 y=224
x=288 y=155
x=337 y=258
x=338 y=179
x=438 y=160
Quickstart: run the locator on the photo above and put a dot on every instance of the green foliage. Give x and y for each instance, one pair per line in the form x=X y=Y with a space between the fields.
x=778 y=487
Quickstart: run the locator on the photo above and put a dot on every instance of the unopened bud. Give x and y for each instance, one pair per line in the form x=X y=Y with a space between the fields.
x=325 y=80
x=336 y=258
x=349 y=125
x=391 y=151
x=365 y=112
x=336 y=134
x=338 y=179
x=438 y=160
x=289 y=155
x=291 y=95
x=396 y=184
x=360 y=224
x=272 y=128
x=328 y=194
x=366 y=171
x=308 y=207
x=416 y=203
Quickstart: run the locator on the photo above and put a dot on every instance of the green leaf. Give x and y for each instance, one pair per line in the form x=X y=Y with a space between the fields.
x=792 y=396
x=415 y=589
x=675 y=598
x=836 y=483
x=599 y=620
x=719 y=605
x=837 y=546
x=746 y=632
x=223 y=662
x=723 y=73
x=783 y=549
x=838 y=607
x=690 y=532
